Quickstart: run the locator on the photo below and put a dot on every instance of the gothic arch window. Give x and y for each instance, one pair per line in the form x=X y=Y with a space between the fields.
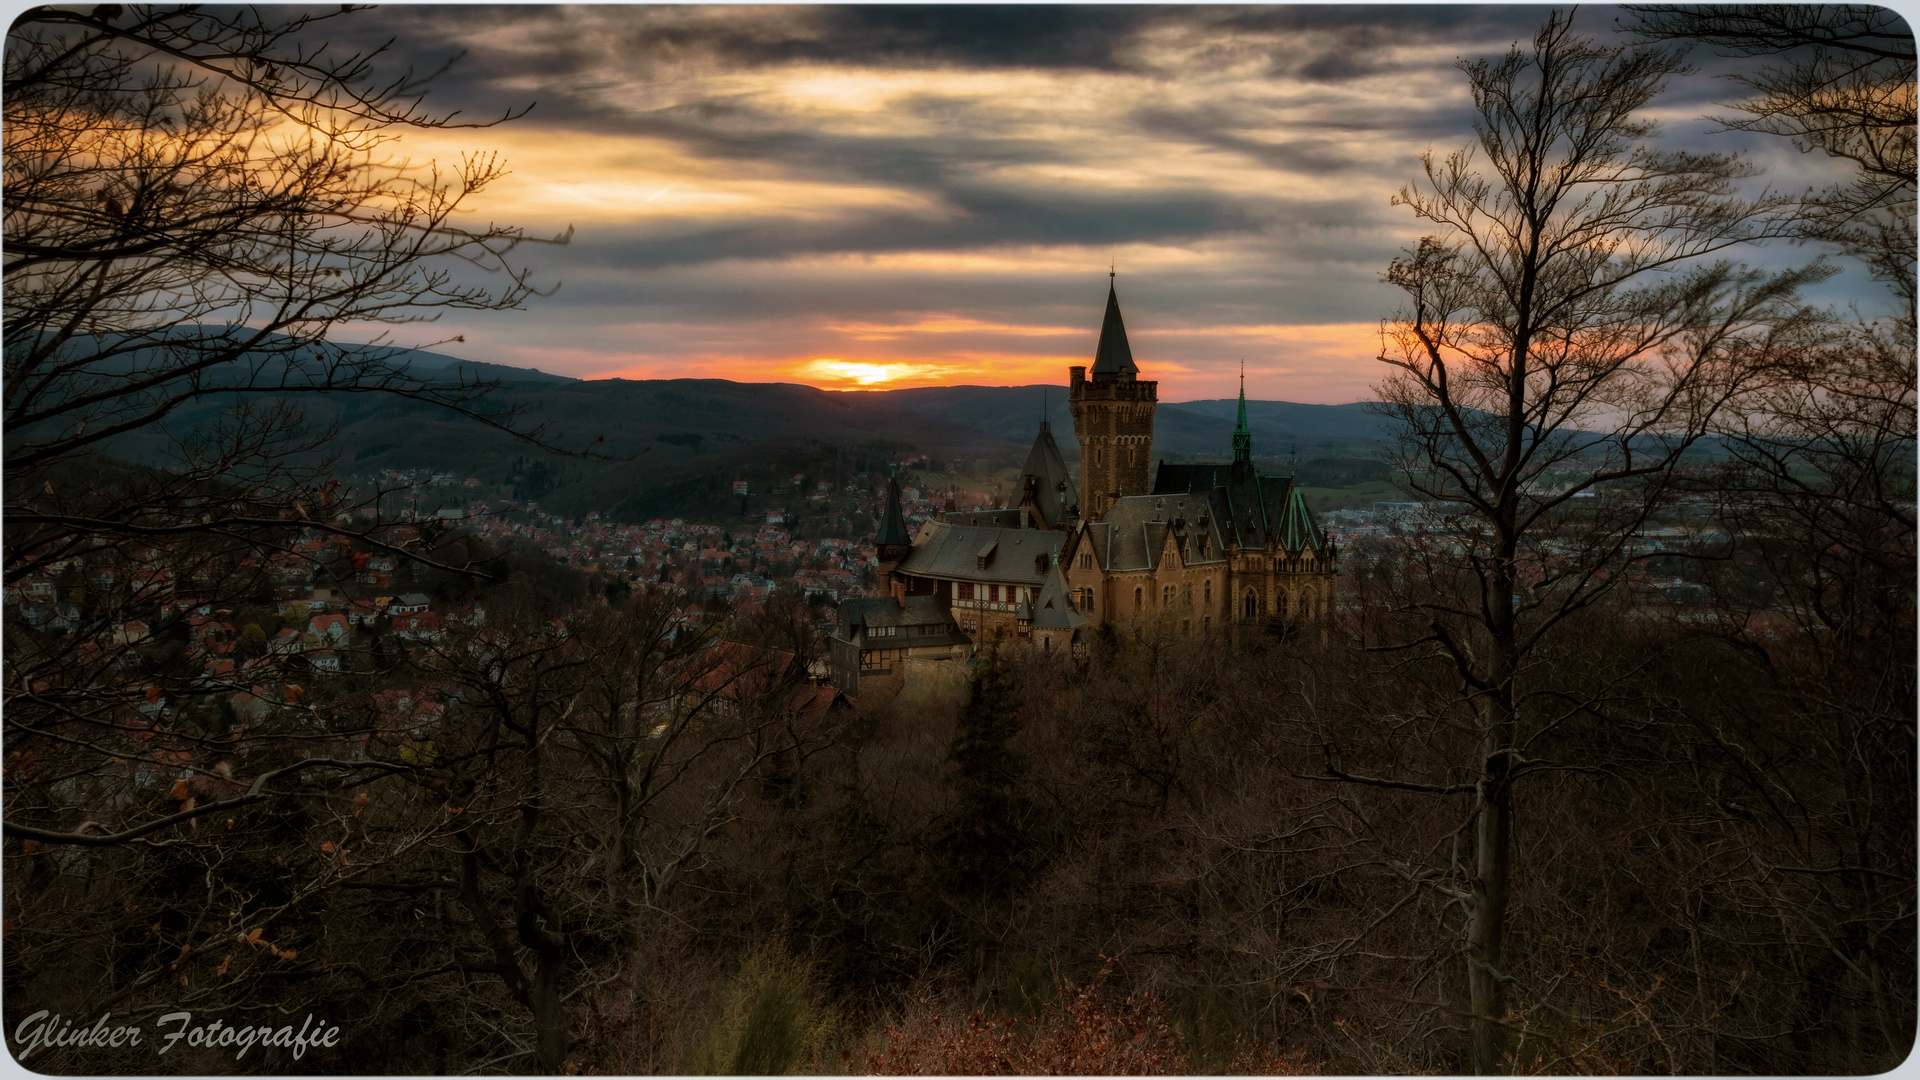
x=1252 y=604
x=1208 y=593
x=1281 y=605
x=1139 y=600
x=1166 y=596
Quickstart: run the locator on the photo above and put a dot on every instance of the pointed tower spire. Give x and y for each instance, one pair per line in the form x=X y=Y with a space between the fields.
x=1044 y=426
x=1113 y=359
x=893 y=522
x=1242 y=437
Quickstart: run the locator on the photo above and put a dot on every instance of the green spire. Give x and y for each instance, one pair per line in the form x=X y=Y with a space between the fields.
x=1242 y=438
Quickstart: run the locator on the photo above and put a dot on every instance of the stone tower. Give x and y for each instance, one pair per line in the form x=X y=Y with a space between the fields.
x=1113 y=418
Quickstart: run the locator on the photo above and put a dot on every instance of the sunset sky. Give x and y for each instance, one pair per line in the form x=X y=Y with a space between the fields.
x=881 y=197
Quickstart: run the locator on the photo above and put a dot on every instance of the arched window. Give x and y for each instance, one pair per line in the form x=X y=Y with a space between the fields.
x=1252 y=604
x=1281 y=605
x=1166 y=596
x=1139 y=600
x=1207 y=593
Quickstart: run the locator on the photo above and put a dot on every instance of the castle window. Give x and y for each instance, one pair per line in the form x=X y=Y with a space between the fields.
x=1252 y=605
x=966 y=590
x=1207 y=592
x=1138 y=600
x=1086 y=560
x=1282 y=605
x=1166 y=596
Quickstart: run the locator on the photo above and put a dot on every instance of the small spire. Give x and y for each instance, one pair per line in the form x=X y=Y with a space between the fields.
x=1242 y=435
x=1043 y=409
x=893 y=523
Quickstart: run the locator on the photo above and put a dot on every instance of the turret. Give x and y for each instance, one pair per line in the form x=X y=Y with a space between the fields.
x=892 y=544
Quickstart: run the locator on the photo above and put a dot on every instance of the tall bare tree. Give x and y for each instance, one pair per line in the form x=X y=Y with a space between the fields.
x=1825 y=455
x=1568 y=333
x=195 y=200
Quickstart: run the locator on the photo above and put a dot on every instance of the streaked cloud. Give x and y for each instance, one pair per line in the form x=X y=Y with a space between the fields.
x=872 y=195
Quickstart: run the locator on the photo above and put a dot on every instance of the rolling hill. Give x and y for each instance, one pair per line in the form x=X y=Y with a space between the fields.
x=677 y=445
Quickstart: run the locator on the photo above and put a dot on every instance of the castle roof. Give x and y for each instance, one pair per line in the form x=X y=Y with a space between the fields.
x=965 y=553
x=1250 y=508
x=1050 y=610
x=1113 y=358
x=1049 y=484
x=893 y=523
x=1133 y=533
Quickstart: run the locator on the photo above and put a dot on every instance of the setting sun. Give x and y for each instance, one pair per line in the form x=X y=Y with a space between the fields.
x=832 y=372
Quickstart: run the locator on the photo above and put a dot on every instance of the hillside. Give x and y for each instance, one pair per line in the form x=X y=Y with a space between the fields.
x=1182 y=429
x=676 y=446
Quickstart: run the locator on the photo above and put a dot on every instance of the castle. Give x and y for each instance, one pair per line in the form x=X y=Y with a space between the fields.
x=1183 y=549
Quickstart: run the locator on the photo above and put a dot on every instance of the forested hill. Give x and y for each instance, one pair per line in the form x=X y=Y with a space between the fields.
x=677 y=445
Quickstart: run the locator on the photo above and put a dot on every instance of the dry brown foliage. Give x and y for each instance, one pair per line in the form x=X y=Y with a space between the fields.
x=1079 y=1036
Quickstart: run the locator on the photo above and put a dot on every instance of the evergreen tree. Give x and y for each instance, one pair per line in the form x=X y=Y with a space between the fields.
x=982 y=842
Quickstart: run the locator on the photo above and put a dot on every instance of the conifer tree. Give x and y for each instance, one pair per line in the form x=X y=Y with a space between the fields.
x=982 y=841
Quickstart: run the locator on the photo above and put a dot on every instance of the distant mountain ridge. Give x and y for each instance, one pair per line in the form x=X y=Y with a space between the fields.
x=678 y=445
x=1184 y=429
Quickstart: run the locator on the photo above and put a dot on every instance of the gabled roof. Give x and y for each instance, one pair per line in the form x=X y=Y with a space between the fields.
x=1018 y=556
x=886 y=611
x=1113 y=358
x=1250 y=508
x=1133 y=532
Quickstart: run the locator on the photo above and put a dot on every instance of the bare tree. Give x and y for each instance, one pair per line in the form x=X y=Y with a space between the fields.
x=195 y=200
x=1842 y=84
x=1824 y=456
x=1567 y=335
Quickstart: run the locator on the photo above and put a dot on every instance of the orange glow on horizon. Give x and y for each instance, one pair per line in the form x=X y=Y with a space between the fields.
x=1325 y=363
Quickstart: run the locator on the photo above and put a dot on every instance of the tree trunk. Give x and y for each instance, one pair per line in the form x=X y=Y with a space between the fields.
x=549 y=1017
x=1486 y=936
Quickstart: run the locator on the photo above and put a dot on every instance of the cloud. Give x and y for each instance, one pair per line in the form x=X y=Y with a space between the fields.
x=937 y=192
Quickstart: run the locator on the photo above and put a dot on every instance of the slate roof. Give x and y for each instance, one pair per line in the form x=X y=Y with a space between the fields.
x=1046 y=479
x=1133 y=532
x=1051 y=610
x=1113 y=358
x=1005 y=519
x=956 y=552
x=1250 y=508
x=858 y=614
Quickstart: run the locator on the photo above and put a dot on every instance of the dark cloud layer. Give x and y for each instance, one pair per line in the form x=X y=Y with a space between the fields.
x=762 y=188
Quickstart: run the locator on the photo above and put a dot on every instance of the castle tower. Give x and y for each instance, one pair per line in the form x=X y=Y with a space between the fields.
x=1113 y=419
x=893 y=543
